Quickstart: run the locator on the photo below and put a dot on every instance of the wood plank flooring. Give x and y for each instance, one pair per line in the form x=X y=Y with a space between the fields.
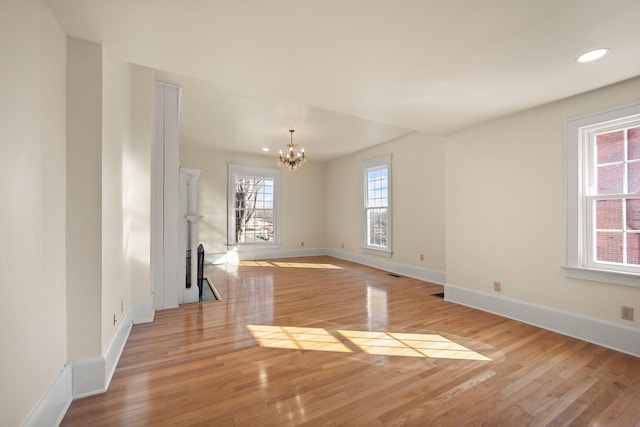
x=293 y=343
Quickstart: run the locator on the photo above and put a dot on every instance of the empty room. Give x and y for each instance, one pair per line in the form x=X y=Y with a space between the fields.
x=242 y=213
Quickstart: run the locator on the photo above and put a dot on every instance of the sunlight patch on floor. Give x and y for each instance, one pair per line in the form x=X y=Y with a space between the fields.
x=375 y=343
x=288 y=265
x=296 y=338
x=414 y=345
x=307 y=265
x=255 y=264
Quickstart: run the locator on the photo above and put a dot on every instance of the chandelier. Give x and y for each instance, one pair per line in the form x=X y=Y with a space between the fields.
x=291 y=159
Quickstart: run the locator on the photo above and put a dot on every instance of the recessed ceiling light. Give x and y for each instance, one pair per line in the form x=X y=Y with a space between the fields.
x=592 y=55
x=265 y=149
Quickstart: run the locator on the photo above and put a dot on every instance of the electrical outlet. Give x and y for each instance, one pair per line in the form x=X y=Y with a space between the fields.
x=421 y=257
x=301 y=243
x=497 y=286
x=626 y=313
x=343 y=246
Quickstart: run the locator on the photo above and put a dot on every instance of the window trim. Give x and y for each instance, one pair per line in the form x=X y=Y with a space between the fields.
x=234 y=170
x=368 y=165
x=577 y=150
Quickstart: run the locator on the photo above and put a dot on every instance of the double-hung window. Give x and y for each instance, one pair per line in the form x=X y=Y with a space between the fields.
x=377 y=206
x=253 y=206
x=603 y=196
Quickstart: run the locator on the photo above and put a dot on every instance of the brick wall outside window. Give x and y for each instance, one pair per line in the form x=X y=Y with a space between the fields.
x=616 y=219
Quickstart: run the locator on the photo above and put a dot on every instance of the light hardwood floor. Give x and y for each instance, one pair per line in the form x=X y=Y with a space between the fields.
x=324 y=342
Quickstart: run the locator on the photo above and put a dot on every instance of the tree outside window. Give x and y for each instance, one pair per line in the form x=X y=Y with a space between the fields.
x=253 y=215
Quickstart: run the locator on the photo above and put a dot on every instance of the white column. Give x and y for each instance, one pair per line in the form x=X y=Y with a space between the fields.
x=188 y=201
x=166 y=217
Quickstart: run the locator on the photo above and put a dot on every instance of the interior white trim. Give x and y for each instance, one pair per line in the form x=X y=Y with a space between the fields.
x=431 y=276
x=599 y=275
x=378 y=252
x=86 y=377
x=245 y=254
x=143 y=311
x=576 y=149
x=420 y=273
x=116 y=345
x=621 y=338
x=233 y=171
x=53 y=405
x=93 y=376
x=382 y=162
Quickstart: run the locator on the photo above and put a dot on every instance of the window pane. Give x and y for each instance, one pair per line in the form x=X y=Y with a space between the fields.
x=610 y=179
x=633 y=140
x=610 y=147
x=253 y=209
x=633 y=214
x=609 y=246
x=633 y=248
x=609 y=214
x=633 y=183
x=377 y=223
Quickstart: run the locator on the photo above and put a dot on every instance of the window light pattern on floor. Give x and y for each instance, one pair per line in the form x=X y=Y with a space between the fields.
x=375 y=343
x=411 y=345
x=296 y=338
x=288 y=265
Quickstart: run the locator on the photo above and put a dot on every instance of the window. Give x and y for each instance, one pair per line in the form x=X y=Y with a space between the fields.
x=603 y=196
x=377 y=206
x=253 y=213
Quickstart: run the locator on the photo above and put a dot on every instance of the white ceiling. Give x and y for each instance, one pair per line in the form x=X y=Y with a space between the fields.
x=348 y=74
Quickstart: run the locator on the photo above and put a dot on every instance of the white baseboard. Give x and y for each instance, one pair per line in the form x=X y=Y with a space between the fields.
x=262 y=253
x=93 y=376
x=621 y=338
x=143 y=311
x=86 y=377
x=53 y=405
x=424 y=274
x=432 y=276
x=116 y=345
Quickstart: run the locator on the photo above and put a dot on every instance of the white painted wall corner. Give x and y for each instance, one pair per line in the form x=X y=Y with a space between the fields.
x=144 y=311
x=86 y=377
x=53 y=405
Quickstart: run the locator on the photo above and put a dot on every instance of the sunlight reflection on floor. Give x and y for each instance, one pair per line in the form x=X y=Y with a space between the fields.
x=288 y=264
x=296 y=338
x=376 y=343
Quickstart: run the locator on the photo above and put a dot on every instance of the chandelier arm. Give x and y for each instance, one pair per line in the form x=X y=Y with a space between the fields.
x=292 y=159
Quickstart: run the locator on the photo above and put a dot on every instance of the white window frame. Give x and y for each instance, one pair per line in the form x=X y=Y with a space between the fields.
x=579 y=154
x=240 y=170
x=383 y=162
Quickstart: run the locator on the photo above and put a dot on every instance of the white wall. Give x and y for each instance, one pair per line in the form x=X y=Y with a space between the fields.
x=116 y=194
x=418 y=200
x=84 y=202
x=32 y=211
x=303 y=192
x=139 y=176
x=505 y=209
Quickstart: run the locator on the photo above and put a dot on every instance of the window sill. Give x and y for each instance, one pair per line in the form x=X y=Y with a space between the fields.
x=599 y=275
x=380 y=252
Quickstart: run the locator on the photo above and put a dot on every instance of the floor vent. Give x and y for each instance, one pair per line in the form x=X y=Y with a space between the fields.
x=394 y=275
x=439 y=295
